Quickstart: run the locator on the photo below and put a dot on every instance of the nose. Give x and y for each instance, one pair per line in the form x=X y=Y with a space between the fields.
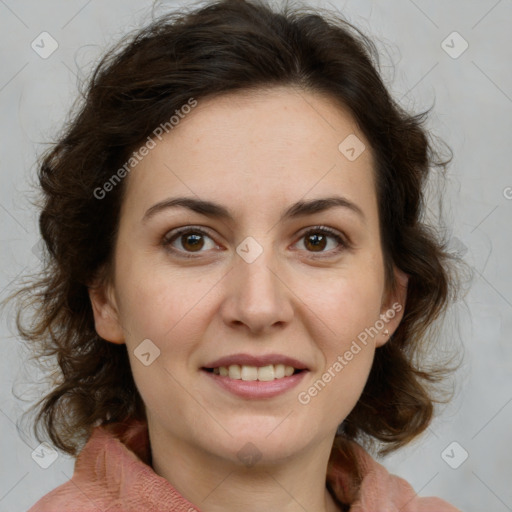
x=258 y=298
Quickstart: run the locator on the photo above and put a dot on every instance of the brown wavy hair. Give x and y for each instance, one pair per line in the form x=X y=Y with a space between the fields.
x=203 y=52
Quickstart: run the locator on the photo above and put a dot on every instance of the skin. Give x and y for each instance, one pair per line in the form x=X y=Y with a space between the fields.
x=256 y=154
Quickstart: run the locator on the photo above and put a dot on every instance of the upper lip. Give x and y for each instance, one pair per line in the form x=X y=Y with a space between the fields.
x=250 y=360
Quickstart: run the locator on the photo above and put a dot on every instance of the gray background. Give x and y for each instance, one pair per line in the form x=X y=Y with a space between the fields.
x=472 y=113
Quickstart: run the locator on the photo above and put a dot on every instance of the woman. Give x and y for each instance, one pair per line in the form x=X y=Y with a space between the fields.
x=238 y=280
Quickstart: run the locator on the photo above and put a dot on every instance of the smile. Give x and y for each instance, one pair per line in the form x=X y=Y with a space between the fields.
x=253 y=376
x=251 y=373
x=244 y=385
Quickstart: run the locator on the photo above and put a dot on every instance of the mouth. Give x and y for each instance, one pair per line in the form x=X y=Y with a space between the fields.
x=250 y=376
x=255 y=382
x=267 y=373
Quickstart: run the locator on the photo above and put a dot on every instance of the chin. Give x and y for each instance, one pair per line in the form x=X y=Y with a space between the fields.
x=269 y=441
x=257 y=453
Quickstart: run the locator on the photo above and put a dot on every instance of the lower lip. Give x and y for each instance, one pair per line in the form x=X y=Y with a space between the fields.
x=257 y=389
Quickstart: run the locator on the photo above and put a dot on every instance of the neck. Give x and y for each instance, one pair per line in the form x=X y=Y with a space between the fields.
x=216 y=484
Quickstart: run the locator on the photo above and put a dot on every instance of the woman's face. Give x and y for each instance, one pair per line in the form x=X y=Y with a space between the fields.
x=262 y=281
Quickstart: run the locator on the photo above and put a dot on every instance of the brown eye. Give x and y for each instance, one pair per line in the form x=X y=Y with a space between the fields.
x=317 y=239
x=187 y=240
x=316 y=242
x=192 y=241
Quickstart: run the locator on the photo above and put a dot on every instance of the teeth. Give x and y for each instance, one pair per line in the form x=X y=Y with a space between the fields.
x=234 y=372
x=266 y=373
x=250 y=373
x=279 y=371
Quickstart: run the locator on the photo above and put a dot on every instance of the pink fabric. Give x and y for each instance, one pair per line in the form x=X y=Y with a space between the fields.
x=111 y=472
x=377 y=490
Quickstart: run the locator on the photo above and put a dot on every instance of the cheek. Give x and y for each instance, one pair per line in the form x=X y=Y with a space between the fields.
x=348 y=353
x=167 y=312
x=348 y=305
x=167 y=306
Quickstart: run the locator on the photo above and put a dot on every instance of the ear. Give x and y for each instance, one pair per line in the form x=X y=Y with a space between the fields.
x=106 y=315
x=393 y=307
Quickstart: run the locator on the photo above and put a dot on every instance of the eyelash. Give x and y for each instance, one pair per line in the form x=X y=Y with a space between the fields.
x=173 y=235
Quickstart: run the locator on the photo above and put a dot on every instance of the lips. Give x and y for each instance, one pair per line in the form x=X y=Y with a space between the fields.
x=256 y=377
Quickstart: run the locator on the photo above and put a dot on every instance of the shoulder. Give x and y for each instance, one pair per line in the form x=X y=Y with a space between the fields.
x=94 y=485
x=364 y=484
x=410 y=501
x=80 y=497
x=110 y=475
x=65 y=498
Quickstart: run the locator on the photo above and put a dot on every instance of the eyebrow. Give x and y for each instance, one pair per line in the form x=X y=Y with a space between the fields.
x=215 y=210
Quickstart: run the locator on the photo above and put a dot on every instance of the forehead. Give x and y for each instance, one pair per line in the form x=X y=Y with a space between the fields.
x=259 y=147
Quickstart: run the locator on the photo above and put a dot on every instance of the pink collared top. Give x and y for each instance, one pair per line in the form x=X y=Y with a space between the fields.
x=112 y=474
